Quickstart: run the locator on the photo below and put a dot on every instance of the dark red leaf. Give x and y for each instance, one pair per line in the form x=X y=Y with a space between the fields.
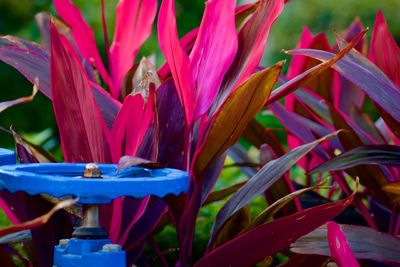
x=268 y=239
x=384 y=51
x=84 y=136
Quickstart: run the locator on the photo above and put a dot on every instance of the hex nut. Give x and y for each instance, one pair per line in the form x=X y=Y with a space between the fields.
x=63 y=243
x=111 y=248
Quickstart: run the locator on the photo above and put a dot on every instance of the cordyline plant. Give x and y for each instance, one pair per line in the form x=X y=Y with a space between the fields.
x=188 y=113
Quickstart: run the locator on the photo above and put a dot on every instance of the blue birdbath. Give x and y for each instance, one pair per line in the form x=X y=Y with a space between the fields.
x=91 y=184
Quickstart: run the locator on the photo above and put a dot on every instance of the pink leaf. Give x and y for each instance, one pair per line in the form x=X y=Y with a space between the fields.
x=83 y=35
x=134 y=19
x=296 y=64
x=82 y=130
x=176 y=57
x=339 y=247
x=213 y=52
x=251 y=43
x=384 y=51
x=186 y=43
x=131 y=124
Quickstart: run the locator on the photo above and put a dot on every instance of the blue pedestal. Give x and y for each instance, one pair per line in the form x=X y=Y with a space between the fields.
x=97 y=253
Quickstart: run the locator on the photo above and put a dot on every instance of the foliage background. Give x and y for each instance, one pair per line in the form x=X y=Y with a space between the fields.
x=36 y=120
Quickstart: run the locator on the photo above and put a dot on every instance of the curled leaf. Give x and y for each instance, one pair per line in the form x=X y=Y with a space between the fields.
x=39 y=220
x=30 y=153
x=129 y=161
x=7 y=104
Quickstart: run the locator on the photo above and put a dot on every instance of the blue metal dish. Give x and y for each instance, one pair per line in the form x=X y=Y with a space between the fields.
x=7 y=157
x=65 y=179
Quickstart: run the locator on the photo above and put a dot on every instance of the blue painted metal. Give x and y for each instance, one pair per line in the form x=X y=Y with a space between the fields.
x=64 y=179
x=7 y=157
x=97 y=253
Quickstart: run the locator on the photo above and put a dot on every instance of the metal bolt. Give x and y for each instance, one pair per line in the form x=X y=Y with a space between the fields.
x=111 y=248
x=92 y=171
x=90 y=227
x=63 y=243
x=91 y=212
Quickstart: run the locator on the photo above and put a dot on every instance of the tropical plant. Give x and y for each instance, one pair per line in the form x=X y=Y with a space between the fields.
x=191 y=111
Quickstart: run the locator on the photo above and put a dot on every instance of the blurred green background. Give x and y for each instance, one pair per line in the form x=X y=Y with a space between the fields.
x=17 y=18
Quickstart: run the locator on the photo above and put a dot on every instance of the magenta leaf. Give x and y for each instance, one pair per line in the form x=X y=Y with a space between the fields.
x=82 y=130
x=134 y=19
x=186 y=43
x=131 y=124
x=297 y=62
x=339 y=247
x=176 y=57
x=188 y=40
x=207 y=69
x=261 y=181
x=83 y=35
x=251 y=43
x=268 y=239
x=384 y=51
